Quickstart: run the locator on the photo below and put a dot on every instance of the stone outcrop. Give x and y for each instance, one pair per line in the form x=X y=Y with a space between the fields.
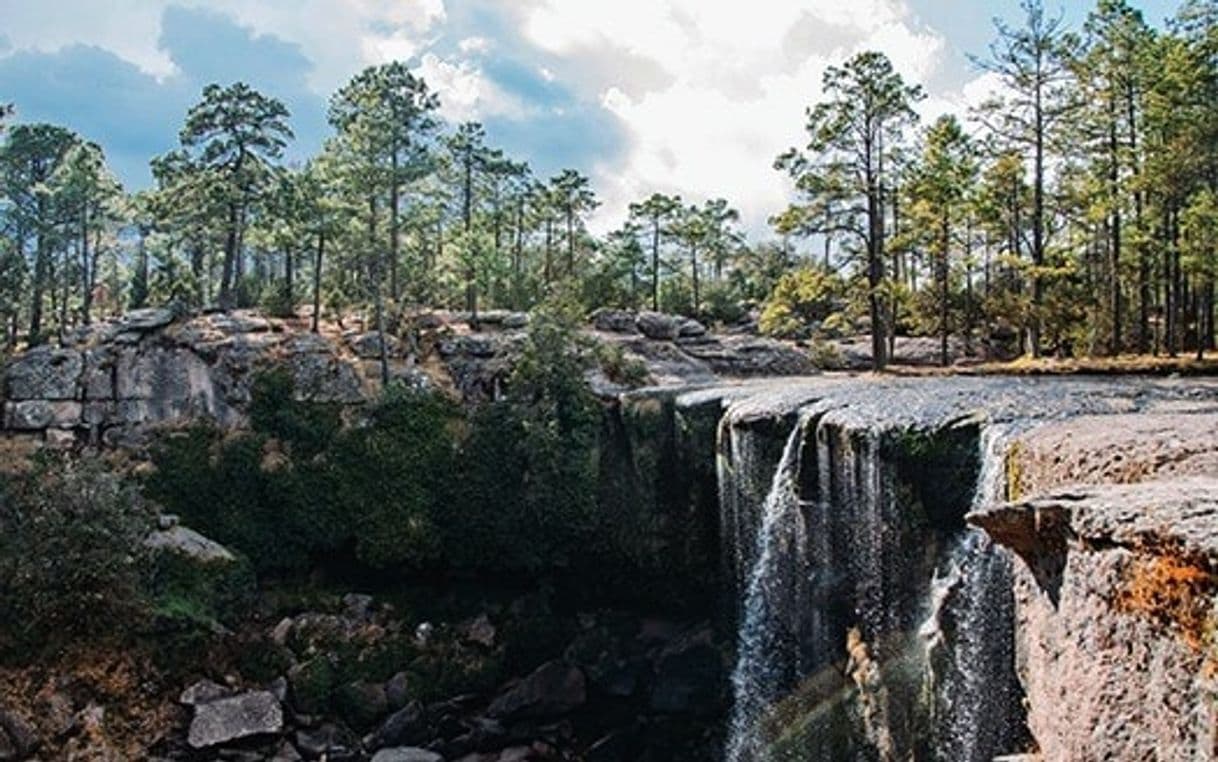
x=1114 y=599
x=1092 y=450
x=112 y=382
x=1115 y=527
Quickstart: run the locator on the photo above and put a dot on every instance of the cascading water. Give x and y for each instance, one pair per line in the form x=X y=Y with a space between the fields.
x=768 y=647
x=968 y=633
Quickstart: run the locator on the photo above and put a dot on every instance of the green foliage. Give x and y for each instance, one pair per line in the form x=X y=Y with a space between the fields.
x=801 y=299
x=619 y=368
x=72 y=560
x=392 y=476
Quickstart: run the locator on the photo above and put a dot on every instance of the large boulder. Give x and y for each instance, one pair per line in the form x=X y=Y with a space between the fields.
x=144 y=320
x=245 y=715
x=189 y=544
x=614 y=321
x=44 y=373
x=657 y=325
x=553 y=689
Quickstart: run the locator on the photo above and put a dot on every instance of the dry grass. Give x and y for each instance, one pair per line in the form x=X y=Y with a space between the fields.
x=1120 y=365
x=94 y=704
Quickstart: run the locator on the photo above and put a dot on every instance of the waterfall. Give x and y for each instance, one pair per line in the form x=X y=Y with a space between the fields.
x=768 y=644
x=968 y=633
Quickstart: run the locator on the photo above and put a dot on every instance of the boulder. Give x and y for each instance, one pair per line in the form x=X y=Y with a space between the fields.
x=408 y=725
x=657 y=325
x=368 y=345
x=553 y=689
x=144 y=320
x=239 y=322
x=689 y=328
x=203 y=692
x=189 y=544
x=397 y=691
x=44 y=373
x=615 y=321
x=406 y=754
x=327 y=740
x=245 y=715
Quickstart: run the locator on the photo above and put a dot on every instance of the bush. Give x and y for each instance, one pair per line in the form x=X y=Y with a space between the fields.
x=391 y=477
x=72 y=560
x=801 y=299
x=618 y=368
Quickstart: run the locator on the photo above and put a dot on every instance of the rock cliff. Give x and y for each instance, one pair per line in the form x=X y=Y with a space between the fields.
x=112 y=382
x=1115 y=525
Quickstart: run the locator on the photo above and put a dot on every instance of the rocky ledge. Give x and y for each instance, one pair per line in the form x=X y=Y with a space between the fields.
x=109 y=383
x=1115 y=533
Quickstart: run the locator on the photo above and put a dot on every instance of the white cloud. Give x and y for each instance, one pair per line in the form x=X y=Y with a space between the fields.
x=736 y=78
x=466 y=93
x=474 y=45
x=338 y=36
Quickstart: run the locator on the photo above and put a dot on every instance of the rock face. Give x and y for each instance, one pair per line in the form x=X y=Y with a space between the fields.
x=1115 y=528
x=922 y=351
x=1113 y=601
x=235 y=717
x=111 y=382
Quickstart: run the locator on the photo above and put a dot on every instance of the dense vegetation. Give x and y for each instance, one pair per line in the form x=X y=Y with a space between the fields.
x=1078 y=218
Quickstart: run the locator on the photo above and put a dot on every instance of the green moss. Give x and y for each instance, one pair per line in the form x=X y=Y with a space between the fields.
x=312 y=684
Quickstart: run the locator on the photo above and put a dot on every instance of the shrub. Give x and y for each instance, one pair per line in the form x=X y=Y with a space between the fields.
x=802 y=298
x=620 y=369
x=72 y=559
x=392 y=475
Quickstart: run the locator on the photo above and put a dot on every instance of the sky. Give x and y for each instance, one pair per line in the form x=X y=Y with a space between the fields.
x=694 y=97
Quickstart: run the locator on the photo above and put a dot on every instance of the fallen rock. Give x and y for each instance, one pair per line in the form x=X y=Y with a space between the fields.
x=406 y=726
x=228 y=719
x=144 y=320
x=553 y=689
x=203 y=692
x=189 y=543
